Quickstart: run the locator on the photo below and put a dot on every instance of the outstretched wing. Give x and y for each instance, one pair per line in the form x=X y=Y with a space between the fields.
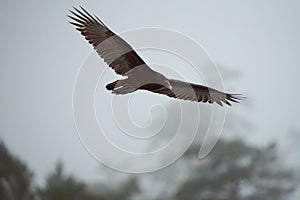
x=193 y=92
x=116 y=52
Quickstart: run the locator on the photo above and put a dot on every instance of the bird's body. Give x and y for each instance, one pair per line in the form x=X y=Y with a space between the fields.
x=122 y=58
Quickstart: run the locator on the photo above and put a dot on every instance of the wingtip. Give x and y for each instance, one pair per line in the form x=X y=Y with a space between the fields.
x=74 y=8
x=228 y=103
x=235 y=97
x=77 y=10
x=220 y=103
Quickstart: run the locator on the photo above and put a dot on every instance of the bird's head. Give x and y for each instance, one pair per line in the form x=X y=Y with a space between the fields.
x=167 y=84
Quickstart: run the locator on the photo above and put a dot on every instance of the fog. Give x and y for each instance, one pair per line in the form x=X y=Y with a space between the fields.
x=255 y=45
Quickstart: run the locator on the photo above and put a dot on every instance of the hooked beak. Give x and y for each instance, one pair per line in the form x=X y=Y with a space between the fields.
x=168 y=85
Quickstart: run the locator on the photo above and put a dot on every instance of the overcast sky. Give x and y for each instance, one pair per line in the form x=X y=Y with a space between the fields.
x=41 y=54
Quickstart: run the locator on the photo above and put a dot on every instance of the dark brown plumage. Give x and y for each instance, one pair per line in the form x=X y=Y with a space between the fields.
x=122 y=58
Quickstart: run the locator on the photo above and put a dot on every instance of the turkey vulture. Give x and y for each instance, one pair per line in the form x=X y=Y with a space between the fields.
x=122 y=58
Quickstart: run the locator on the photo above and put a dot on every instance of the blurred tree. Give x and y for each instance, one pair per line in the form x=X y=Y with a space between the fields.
x=15 y=178
x=234 y=170
x=16 y=184
x=62 y=187
x=127 y=189
x=116 y=190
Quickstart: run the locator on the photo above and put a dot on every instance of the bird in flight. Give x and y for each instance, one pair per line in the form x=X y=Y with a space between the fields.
x=123 y=59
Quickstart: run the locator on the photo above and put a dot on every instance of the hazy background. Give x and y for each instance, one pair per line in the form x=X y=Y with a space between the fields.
x=256 y=43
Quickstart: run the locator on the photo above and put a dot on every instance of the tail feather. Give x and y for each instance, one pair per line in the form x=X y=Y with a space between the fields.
x=111 y=86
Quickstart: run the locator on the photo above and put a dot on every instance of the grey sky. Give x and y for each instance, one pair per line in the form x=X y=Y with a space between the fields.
x=41 y=53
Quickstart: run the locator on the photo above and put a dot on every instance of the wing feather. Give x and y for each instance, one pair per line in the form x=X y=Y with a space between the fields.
x=115 y=51
x=193 y=92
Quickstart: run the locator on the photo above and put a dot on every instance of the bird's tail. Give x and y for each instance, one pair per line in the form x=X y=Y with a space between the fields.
x=111 y=86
